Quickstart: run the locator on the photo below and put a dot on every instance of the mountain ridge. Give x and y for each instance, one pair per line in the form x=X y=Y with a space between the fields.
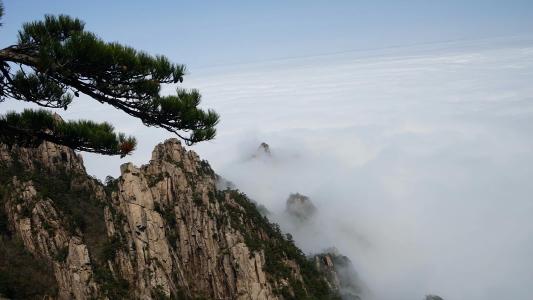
x=159 y=231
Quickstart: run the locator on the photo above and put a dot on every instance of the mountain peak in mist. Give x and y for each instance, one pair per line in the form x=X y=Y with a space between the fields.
x=300 y=207
x=433 y=297
x=262 y=151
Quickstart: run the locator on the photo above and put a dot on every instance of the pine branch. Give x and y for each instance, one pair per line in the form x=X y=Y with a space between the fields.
x=32 y=127
x=57 y=59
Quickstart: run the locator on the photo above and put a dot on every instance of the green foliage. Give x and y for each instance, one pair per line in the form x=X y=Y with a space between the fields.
x=46 y=226
x=62 y=254
x=169 y=216
x=23 y=276
x=57 y=59
x=81 y=213
x=110 y=184
x=205 y=169
x=113 y=288
x=159 y=294
x=62 y=40
x=154 y=179
x=32 y=126
x=80 y=210
x=197 y=199
x=110 y=248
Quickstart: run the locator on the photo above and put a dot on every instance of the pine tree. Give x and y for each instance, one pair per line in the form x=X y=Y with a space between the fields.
x=56 y=60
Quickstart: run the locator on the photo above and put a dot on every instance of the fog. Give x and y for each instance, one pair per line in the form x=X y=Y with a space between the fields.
x=419 y=159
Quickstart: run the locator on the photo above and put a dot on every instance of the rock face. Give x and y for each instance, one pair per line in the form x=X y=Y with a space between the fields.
x=159 y=231
x=37 y=221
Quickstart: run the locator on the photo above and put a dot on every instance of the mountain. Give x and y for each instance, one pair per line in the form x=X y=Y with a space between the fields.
x=159 y=231
x=300 y=207
x=263 y=151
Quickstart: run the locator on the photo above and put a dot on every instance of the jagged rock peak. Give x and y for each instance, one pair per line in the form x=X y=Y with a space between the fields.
x=262 y=151
x=300 y=207
x=171 y=149
x=265 y=148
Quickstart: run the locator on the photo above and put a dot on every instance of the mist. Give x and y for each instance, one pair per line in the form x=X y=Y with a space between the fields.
x=418 y=159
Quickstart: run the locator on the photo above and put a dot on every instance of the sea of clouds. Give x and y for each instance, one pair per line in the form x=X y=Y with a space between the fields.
x=419 y=159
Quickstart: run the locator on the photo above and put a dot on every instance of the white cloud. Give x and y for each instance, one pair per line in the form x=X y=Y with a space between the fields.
x=419 y=164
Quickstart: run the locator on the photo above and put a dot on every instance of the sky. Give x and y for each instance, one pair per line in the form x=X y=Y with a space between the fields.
x=207 y=33
x=408 y=124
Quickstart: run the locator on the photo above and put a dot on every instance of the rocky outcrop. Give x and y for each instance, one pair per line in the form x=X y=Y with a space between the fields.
x=300 y=207
x=161 y=230
x=36 y=220
x=263 y=151
x=170 y=207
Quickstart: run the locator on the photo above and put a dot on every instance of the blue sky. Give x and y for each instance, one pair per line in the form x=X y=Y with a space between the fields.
x=207 y=33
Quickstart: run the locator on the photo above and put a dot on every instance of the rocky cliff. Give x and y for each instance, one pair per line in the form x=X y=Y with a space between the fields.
x=159 y=231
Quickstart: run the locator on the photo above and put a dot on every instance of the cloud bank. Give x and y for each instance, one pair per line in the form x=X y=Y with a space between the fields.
x=419 y=159
x=419 y=163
